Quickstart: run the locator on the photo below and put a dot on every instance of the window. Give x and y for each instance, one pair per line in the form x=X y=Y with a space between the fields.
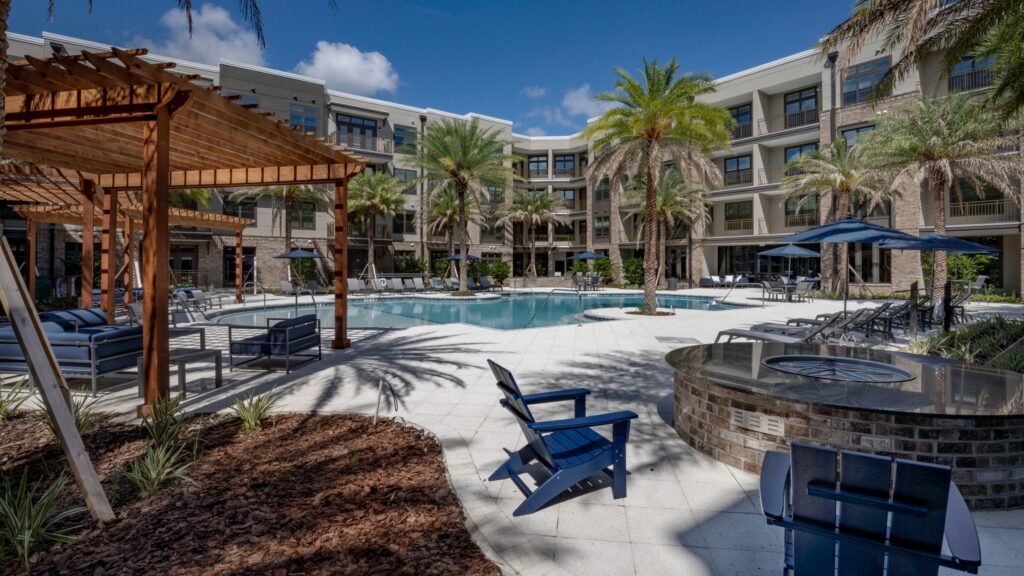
x=242 y=207
x=602 y=227
x=491 y=256
x=801 y=211
x=801 y=107
x=854 y=134
x=861 y=80
x=603 y=190
x=305 y=117
x=538 y=166
x=743 y=121
x=303 y=216
x=583 y=160
x=739 y=210
x=356 y=132
x=737 y=170
x=496 y=194
x=880 y=210
x=406 y=175
x=565 y=165
x=404 y=136
x=248 y=256
x=404 y=222
x=971 y=74
x=795 y=152
x=490 y=231
x=568 y=197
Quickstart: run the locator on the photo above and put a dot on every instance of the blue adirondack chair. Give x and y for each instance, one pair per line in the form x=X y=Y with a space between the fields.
x=569 y=449
x=886 y=518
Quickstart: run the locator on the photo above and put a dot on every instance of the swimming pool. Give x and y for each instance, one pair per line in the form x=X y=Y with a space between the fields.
x=509 y=312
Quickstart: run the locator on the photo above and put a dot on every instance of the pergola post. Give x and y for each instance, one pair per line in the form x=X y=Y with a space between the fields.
x=129 y=269
x=341 y=265
x=155 y=254
x=88 y=205
x=108 y=253
x=238 y=266
x=30 y=260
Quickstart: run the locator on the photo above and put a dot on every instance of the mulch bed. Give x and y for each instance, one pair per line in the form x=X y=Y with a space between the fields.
x=329 y=494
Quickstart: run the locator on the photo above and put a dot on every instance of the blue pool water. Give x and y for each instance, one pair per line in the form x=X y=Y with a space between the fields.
x=506 y=313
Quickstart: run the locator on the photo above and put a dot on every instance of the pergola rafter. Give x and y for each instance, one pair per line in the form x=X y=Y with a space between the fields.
x=115 y=123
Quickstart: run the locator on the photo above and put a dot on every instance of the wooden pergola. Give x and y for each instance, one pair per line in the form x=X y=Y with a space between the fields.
x=123 y=123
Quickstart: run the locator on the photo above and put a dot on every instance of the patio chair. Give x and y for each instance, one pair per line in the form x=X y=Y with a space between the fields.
x=451 y=284
x=206 y=302
x=286 y=338
x=893 y=514
x=570 y=450
x=706 y=282
x=802 y=291
x=471 y=284
x=790 y=334
x=409 y=285
x=485 y=284
x=578 y=281
x=771 y=292
x=395 y=285
x=418 y=284
x=437 y=284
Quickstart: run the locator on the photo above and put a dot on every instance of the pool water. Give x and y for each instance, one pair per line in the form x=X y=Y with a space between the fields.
x=510 y=312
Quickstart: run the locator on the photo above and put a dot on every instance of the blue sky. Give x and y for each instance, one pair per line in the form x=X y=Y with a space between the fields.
x=535 y=63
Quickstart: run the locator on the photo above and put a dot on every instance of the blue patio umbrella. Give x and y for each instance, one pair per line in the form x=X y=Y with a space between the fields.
x=849 y=230
x=936 y=242
x=457 y=257
x=587 y=256
x=789 y=252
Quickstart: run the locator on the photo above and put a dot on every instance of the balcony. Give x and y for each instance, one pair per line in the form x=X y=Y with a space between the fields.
x=983 y=212
x=380 y=232
x=366 y=142
x=740 y=225
x=770 y=175
x=739 y=178
x=565 y=173
x=787 y=121
x=803 y=220
x=492 y=239
x=742 y=131
x=970 y=80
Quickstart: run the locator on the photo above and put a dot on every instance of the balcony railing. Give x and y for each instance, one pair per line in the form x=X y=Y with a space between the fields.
x=970 y=80
x=983 y=211
x=366 y=142
x=801 y=220
x=13 y=224
x=492 y=239
x=537 y=173
x=742 y=131
x=739 y=225
x=738 y=178
x=786 y=121
x=770 y=175
x=565 y=173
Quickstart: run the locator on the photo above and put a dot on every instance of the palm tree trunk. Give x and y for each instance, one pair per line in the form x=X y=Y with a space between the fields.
x=5 y=10
x=663 y=247
x=533 y=250
x=939 y=271
x=614 y=237
x=650 y=305
x=287 y=224
x=689 y=256
x=371 y=221
x=451 y=239
x=460 y=190
x=843 y=274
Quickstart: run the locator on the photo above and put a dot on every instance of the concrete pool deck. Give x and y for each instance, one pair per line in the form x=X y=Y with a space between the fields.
x=684 y=514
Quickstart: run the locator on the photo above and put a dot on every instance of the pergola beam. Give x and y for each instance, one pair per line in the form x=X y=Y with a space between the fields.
x=108 y=251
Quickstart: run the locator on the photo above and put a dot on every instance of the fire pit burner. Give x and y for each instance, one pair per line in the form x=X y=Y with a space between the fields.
x=838 y=368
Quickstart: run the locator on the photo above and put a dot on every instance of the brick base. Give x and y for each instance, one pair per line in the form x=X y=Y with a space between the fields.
x=985 y=452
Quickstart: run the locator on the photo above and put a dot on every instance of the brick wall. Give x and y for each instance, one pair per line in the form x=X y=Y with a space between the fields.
x=985 y=452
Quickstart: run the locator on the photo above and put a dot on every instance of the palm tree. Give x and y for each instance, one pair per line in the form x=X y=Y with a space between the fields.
x=534 y=208
x=1005 y=47
x=943 y=142
x=285 y=200
x=189 y=197
x=677 y=202
x=373 y=194
x=655 y=119
x=467 y=158
x=917 y=28
x=844 y=169
x=443 y=215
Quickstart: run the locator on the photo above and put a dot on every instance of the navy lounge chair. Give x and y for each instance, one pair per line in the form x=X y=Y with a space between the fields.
x=569 y=449
x=284 y=339
x=899 y=523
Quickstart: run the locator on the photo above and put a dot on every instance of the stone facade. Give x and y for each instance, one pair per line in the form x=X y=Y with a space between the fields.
x=986 y=453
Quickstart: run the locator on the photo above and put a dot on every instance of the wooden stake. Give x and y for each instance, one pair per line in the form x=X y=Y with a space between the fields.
x=88 y=217
x=42 y=365
x=341 y=265
x=108 y=255
x=155 y=254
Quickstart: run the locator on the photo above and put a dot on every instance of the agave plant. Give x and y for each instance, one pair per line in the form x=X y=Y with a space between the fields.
x=253 y=409
x=86 y=416
x=165 y=425
x=13 y=398
x=28 y=521
x=156 y=468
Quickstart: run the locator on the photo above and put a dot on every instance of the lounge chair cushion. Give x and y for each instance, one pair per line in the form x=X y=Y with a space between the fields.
x=252 y=346
x=73 y=347
x=306 y=326
x=273 y=342
x=77 y=317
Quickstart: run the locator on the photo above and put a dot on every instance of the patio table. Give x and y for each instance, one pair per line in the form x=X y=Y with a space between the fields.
x=184 y=356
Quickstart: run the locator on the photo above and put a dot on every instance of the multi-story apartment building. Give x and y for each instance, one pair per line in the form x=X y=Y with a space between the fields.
x=781 y=109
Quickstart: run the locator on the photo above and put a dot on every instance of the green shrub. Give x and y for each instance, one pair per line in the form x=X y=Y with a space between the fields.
x=1012 y=360
x=86 y=416
x=478 y=269
x=604 y=268
x=253 y=409
x=165 y=425
x=156 y=468
x=304 y=270
x=26 y=522
x=633 y=270
x=441 y=267
x=580 y=266
x=500 y=271
x=411 y=265
x=978 y=342
x=1010 y=298
x=542 y=269
x=14 y=398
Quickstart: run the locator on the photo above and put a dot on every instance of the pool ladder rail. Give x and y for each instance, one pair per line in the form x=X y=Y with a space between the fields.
x=579 y=309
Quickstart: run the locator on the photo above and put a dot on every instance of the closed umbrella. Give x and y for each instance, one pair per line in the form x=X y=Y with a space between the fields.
x=849 y=230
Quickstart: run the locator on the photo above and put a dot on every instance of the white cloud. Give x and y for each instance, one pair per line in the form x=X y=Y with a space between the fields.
x=534 y=91
x=535 y=131
x=345 y=67
x=215 y=35
x=580 y=102
x=553 y=116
